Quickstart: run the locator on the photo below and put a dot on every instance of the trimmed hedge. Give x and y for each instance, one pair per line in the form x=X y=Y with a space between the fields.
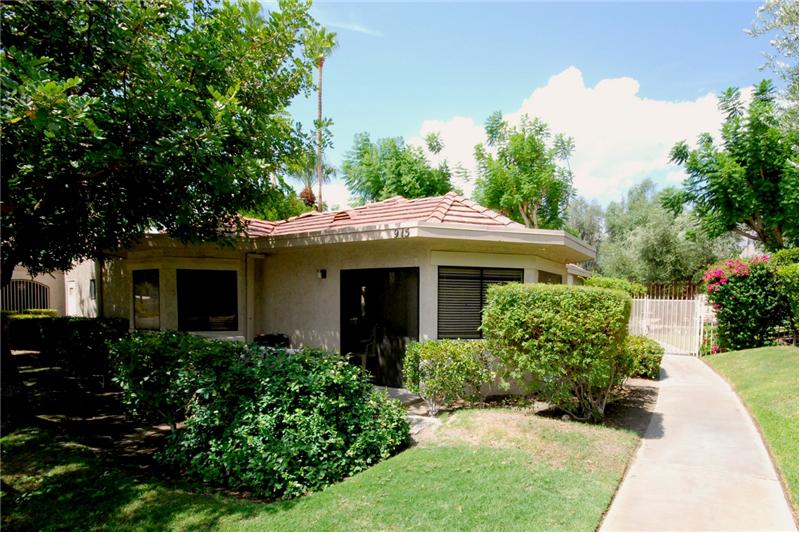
x=787 y=256
x=569 y=338
x=265 y=420
x=77 y=344
x=632 y=288
x=445 y=371
x=646 y=355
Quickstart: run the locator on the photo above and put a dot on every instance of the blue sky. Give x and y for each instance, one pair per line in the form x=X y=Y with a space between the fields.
x=403 y=69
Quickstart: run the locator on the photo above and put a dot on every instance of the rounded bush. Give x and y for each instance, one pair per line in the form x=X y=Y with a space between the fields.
x=569 y=338
x=645 y=355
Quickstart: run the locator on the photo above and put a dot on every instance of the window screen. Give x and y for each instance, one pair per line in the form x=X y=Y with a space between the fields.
x=550 y=278
x=462 y=294
x=146 y=303
x=207 y=300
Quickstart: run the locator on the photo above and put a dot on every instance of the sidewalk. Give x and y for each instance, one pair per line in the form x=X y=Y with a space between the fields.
x=702 y=464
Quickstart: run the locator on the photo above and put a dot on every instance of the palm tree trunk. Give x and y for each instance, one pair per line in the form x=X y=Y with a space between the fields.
x=319 y=135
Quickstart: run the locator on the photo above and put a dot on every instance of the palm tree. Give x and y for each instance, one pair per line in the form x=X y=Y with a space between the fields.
x=305 y=170
x=319 y=44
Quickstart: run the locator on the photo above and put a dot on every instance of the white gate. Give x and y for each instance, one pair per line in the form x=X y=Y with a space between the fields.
x=677 y=324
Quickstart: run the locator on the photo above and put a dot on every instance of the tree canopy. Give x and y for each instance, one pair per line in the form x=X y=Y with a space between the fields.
x=389 y=167
x=521 y=172
x=647 y=243
x=122 y=116
x=748 y=184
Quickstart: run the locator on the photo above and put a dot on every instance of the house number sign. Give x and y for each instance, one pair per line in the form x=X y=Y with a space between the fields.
x=402 y=233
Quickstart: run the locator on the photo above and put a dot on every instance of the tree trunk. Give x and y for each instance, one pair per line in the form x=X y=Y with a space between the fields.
x=319 y=135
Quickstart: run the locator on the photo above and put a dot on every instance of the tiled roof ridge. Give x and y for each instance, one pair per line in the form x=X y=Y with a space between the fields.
x=440 y=211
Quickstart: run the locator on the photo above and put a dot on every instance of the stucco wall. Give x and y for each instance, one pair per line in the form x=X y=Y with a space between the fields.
x=281 y=292
x=296 y=302
x=69 y=291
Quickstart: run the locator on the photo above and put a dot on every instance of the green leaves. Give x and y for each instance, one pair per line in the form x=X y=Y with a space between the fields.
x=570 y=339
x=389 y=167
x=520 y=175
x=749 y=183
x=122 y=116
x=274 y=423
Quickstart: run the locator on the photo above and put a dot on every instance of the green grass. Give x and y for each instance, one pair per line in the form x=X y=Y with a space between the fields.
x=497 y=469
x=766 y=379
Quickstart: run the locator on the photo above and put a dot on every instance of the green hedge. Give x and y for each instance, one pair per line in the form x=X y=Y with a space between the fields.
x=787 y=256
x=77 y=344
x=632 y=288
x=569 y=338
x=445 y=371
x=265 y=420
x=646 y=356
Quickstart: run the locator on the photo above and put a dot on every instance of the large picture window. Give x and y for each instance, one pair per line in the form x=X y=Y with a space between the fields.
x=207 y=300
x=146 y=303
x=550 y=278
x=462 y=295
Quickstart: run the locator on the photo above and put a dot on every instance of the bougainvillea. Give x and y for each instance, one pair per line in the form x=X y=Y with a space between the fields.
x=752 y=305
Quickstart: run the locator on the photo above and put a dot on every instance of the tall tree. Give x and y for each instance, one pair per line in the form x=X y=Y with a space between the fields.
x=305 y=171
x=749 y=183
x=585 y=220
x=389 y=167
x=521 y=173
x=779 y=20
x=121 y=116
x=647 y=243
x=320 y=43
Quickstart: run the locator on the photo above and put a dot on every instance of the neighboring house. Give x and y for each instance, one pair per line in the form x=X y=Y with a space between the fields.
x=363 y=281
x=71 y=293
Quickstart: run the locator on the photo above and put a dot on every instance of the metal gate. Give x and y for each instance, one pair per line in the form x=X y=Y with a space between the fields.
x=676 y=323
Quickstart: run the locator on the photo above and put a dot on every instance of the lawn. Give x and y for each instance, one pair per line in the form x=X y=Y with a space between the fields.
x=493 y=469
x=766 y=379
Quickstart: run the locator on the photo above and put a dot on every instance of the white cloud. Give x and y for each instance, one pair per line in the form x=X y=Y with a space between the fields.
x=620 y=137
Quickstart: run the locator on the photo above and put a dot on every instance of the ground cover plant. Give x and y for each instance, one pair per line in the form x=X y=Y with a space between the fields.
x=570 y=339
x=766 y=379
x=274 y=423
x=490 y=469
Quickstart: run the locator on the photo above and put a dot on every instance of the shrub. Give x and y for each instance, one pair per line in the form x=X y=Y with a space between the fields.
x=788 y=282
x=645 y=355
x=634 y=289
x=40 y=312
x=259 y=419
x=445 y=371
x=156 y=372
x=787 y=256
x=80 y=345
x=751 y=302
x=569 y=338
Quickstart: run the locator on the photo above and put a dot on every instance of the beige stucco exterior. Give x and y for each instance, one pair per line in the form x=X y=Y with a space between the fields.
x=69 y=292
x=280 y=289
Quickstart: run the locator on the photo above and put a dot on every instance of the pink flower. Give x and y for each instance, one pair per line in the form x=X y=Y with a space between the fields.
x=715 y=349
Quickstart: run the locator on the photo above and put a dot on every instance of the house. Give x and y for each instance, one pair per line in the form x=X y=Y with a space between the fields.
x=363 y=281
x=70 y=293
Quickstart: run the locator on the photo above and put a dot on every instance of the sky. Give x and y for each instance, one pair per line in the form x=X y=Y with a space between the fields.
x=626 y=80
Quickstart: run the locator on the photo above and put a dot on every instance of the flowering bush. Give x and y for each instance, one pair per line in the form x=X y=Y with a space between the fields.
x=752 y=303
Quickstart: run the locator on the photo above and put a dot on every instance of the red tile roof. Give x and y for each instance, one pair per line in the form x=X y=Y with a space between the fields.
x=447 y=209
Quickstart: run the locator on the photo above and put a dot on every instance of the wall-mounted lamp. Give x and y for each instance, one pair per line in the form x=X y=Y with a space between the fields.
x=322 y=273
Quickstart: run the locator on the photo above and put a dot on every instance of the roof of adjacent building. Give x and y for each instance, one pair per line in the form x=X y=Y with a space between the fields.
x=451 y=208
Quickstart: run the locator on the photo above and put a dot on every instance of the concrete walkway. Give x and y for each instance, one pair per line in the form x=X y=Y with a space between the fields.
x=702 y=464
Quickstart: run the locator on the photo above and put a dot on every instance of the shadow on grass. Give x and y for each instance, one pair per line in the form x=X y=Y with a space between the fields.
x=52 y=483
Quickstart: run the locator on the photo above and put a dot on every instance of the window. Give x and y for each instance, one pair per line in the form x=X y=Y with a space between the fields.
x=146 y=303
x=550 y=278
x=92 y=289
x=462 y=294
x=207 y=300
